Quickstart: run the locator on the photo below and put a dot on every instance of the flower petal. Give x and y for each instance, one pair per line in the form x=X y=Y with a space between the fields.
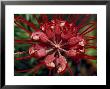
x=37 y=51
x=61 y=64
x=49 y=61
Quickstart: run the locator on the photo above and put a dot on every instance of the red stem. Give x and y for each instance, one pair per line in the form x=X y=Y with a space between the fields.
x=23 y=20
x=22 y=58
x=26 y=70
x=70 y=70
x=37 y=67
x=83 y=21
x=91 y=37
x=71 y=18
x=89 y=30
x=89 y=57
x=36 y=18
x=22 y=28
x=76 y=18
x=44 y=18
x=86 y=29
x=24 y=41
x=88 y=46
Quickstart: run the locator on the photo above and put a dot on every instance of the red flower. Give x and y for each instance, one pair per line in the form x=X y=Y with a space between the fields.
x=59 y=40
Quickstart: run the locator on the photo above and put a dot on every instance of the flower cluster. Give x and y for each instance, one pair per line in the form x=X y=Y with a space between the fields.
x=57 y=40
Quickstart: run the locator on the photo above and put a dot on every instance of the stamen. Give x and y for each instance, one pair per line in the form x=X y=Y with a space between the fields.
x=54 y=39
x=64 y=44
x=59 y=52
x=51 y=42
x=47 y=51
x=60 y=42
x=62 y=49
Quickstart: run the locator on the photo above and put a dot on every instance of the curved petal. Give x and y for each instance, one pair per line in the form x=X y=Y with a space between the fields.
x=61 y=64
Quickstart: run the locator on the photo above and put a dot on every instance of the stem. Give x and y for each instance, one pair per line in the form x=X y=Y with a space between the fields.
x=89 y=30
x=23 y=20
x=23 y=28
x=26 y=70
x=86 y=29
x=26 y=57
x=91 y=37
x=94 y=43
x=70 y=17
x=70 y=70
x=89 y=46
x=89 y=57
x=76 y=18
x=36 y=18
x=83 y=21
x=24 y=41
x=36 y=68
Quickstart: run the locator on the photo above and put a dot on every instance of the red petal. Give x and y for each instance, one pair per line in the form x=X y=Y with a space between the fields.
x=66 y=35
x=61 y=63
x=39 y=36
x=37 y=51
x=44 y=18
x=43 y=38
x=57 y=30
x=49 y=61
x=71 y=53
x=50 y=33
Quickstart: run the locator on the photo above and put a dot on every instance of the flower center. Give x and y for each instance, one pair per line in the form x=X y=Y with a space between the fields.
x=57 y=46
